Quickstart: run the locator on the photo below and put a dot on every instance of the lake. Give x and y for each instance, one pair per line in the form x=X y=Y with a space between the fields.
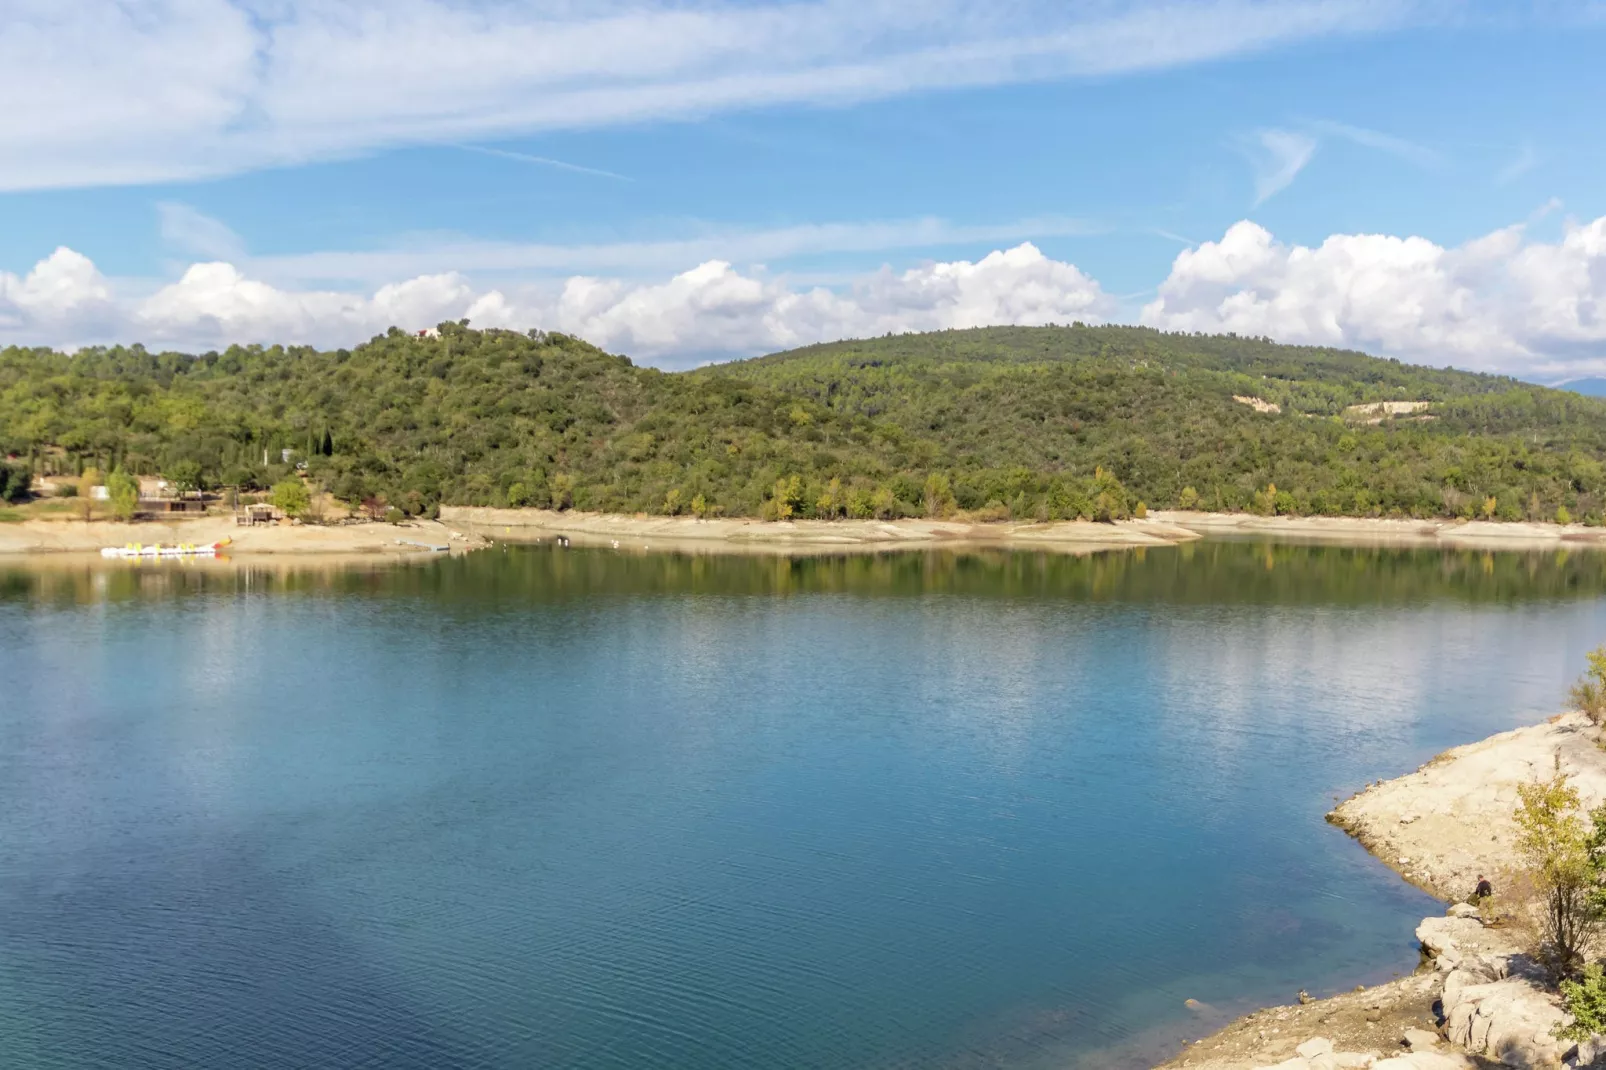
x=537 y=807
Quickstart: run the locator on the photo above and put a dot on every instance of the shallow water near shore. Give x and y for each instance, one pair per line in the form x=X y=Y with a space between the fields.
x=577 y=808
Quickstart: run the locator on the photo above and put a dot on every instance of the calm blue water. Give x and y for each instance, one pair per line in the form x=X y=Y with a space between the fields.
x=540 y=808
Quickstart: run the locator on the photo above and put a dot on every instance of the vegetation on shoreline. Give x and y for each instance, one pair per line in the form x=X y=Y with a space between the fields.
x=1001 y=423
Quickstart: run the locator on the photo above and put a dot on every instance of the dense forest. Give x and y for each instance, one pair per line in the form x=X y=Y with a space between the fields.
x=1050 y=422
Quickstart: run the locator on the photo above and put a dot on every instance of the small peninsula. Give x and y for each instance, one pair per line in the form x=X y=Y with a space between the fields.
x=1479 y=1001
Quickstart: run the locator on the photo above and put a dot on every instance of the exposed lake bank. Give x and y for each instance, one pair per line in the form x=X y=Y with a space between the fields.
x=791 y=536
x=66 y=536
x=1361 y=530
x=465 y=527
x=1159 y=528
x=1478 y=1000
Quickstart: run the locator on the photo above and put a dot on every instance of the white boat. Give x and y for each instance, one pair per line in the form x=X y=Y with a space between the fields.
x=139 y=551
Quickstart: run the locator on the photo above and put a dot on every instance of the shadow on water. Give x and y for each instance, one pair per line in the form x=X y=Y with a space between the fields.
x=193 y=954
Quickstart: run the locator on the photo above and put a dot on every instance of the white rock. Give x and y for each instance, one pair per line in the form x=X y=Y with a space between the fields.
x=1354 y=1060
x=1313 y=1047
x=1444 y=937
x=1420 y=1039
x=1590 y=1053
x=1424 y=1060
x=1511 y=1020
x=1463 y=910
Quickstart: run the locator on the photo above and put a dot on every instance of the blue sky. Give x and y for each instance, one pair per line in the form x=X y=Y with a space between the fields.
x=688 y=181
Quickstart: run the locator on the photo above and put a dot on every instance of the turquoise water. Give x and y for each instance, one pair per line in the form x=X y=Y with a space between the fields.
x=543 y=808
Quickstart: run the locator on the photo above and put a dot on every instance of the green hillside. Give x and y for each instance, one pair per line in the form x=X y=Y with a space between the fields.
x=1159 y=411
x=1002 y=422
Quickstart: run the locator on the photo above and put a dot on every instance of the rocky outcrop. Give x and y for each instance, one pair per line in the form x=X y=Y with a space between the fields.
x=1493 y=1000
x=1440 y=827
x=1511 y=1019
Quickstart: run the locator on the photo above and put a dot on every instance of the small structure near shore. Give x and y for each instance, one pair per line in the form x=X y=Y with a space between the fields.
x=160 y=507
x=258 y=514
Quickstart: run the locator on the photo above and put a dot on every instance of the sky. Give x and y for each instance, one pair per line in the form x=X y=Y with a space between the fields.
x=683 y=181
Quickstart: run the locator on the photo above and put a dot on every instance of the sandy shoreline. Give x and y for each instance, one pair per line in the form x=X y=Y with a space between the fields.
x=1479 y=999
x=62 y=536
x=1160 y=528
x=464 y=528
x=794 y=536
x=1379 y=531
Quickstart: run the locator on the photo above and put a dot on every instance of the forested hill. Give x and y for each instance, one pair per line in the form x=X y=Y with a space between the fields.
x=1001 y=422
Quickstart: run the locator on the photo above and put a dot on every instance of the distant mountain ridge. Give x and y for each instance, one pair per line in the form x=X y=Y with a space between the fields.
x=1591 y=387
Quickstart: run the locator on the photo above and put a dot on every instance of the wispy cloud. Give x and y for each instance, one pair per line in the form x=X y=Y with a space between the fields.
x=1521 y=164
x=750 y=246
x=1373 y=139
x=1278 y=156
x=120 y=93
x=544 y=161
x=187 y=230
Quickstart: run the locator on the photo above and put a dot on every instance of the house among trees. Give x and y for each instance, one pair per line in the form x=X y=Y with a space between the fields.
x=158 y=507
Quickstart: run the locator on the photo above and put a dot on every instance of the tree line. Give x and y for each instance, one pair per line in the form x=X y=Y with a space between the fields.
x=1000 y=423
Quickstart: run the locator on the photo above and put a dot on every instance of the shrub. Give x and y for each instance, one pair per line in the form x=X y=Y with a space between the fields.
x=994 y=511
x=1563 y=516
x=1188 y=499
x=185 y=476
x=66 y=490
x=1555 y=847
x=15 y=480
x=562 y=490
x=123 y=490
x=394 y=515
x=290 y=497
x=1140 y=511
x=786 y=501
x=1585 y=1000
x=884 y=503
x=832 y=501
x=1589 y=693
x=939 y=496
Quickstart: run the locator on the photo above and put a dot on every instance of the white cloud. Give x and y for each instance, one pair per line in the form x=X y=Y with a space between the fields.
x=176 y=89
x=1503 y=302
x=1500 y=302
x=710 y=311
x=1278 y=156
x=63 y=289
